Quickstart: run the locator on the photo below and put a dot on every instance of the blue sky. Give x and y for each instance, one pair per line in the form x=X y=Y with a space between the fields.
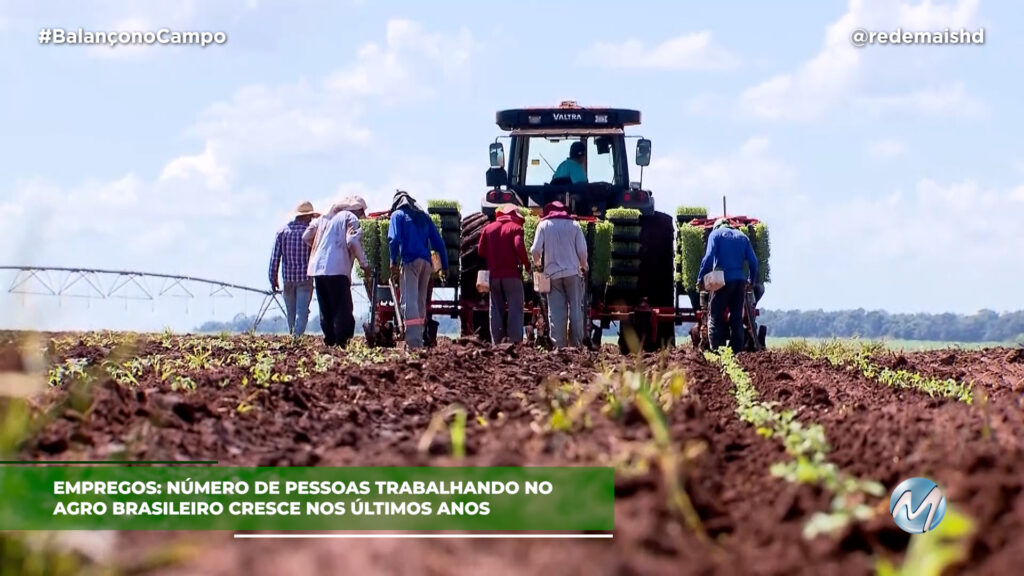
x=891 y=176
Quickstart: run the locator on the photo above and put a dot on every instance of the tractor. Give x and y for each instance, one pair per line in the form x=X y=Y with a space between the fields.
x=631 y=280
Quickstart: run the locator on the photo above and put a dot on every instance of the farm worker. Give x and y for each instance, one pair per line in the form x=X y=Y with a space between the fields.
x=573 y=167
x=335 y=239
x=411 y=236
x=291 y=257
x=503 y=249
x=728 y=249
x=560 y=241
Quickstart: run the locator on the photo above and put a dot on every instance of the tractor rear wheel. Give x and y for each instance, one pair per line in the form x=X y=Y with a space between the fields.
x=470 y=263
x=656 y=280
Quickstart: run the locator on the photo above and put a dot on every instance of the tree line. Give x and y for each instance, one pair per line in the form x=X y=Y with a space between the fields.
x=983 y=326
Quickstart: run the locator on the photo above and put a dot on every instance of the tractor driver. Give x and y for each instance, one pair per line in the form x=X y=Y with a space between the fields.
x=573 y=168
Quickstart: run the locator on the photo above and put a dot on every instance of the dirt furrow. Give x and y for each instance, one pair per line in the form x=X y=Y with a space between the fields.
x=365 y=408
x=889 y=435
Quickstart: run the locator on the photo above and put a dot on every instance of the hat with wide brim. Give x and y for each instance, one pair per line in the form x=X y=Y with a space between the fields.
x=305 y=209
x=555 y=210
x=350 y=203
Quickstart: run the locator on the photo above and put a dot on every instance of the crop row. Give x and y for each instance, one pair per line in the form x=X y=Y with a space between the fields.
x=184 y=357
x=615 y=395
x=808 y=447
x=860 y=357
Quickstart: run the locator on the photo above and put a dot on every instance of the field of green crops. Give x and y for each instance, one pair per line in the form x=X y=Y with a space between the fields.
x=906 y=345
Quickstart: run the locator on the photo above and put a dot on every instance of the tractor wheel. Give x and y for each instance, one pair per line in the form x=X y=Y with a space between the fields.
x=469 y=261
x=656 y=280
x=469 y=264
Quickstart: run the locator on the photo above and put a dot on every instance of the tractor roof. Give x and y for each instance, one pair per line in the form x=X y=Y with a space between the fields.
x=566 y=115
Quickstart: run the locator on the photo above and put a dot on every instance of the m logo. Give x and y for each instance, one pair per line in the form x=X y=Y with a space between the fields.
x=917 y=505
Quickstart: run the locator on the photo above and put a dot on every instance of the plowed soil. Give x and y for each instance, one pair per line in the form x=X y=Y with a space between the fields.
x=377 y=410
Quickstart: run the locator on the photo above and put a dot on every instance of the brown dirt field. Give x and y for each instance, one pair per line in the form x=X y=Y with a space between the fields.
x=376 y=411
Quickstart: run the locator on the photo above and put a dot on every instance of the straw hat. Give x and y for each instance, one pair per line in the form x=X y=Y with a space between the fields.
x=305 y=209
x=349 y=203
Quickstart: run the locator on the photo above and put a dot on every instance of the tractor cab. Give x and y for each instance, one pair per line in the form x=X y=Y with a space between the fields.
x=569 y=153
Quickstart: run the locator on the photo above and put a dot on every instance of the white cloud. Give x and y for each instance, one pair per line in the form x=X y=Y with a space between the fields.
x=207 y=164
x=936 y=238
x=751 y=174
x=818 y=83
x=929 y=15
x=263 y=123
x=696 y=51
x=135 y=220
x=703 y=103
x=837 y=74
x=1017 y=195
x=952 y=100
x=194 y=205
x=266 y=123
x=400 y=68
x=887 y=148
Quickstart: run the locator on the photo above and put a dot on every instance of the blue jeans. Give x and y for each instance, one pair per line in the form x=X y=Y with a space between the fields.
x=506 y=293
x=565 y=306
x=296 y=303
x=415 y=285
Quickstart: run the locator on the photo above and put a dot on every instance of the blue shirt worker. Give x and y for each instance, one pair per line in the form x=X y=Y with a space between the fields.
x=728 y=250
x=572 y=167
x=411 y=237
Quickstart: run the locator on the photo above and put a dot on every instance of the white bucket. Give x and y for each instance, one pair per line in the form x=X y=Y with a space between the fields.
x=483 y=281
x=541 y=283
x=714 y=280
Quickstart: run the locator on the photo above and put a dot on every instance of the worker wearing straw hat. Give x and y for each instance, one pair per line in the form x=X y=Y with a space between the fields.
x=560 y=244
x=502 y=247
x=290 y=258
x=336 y=242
